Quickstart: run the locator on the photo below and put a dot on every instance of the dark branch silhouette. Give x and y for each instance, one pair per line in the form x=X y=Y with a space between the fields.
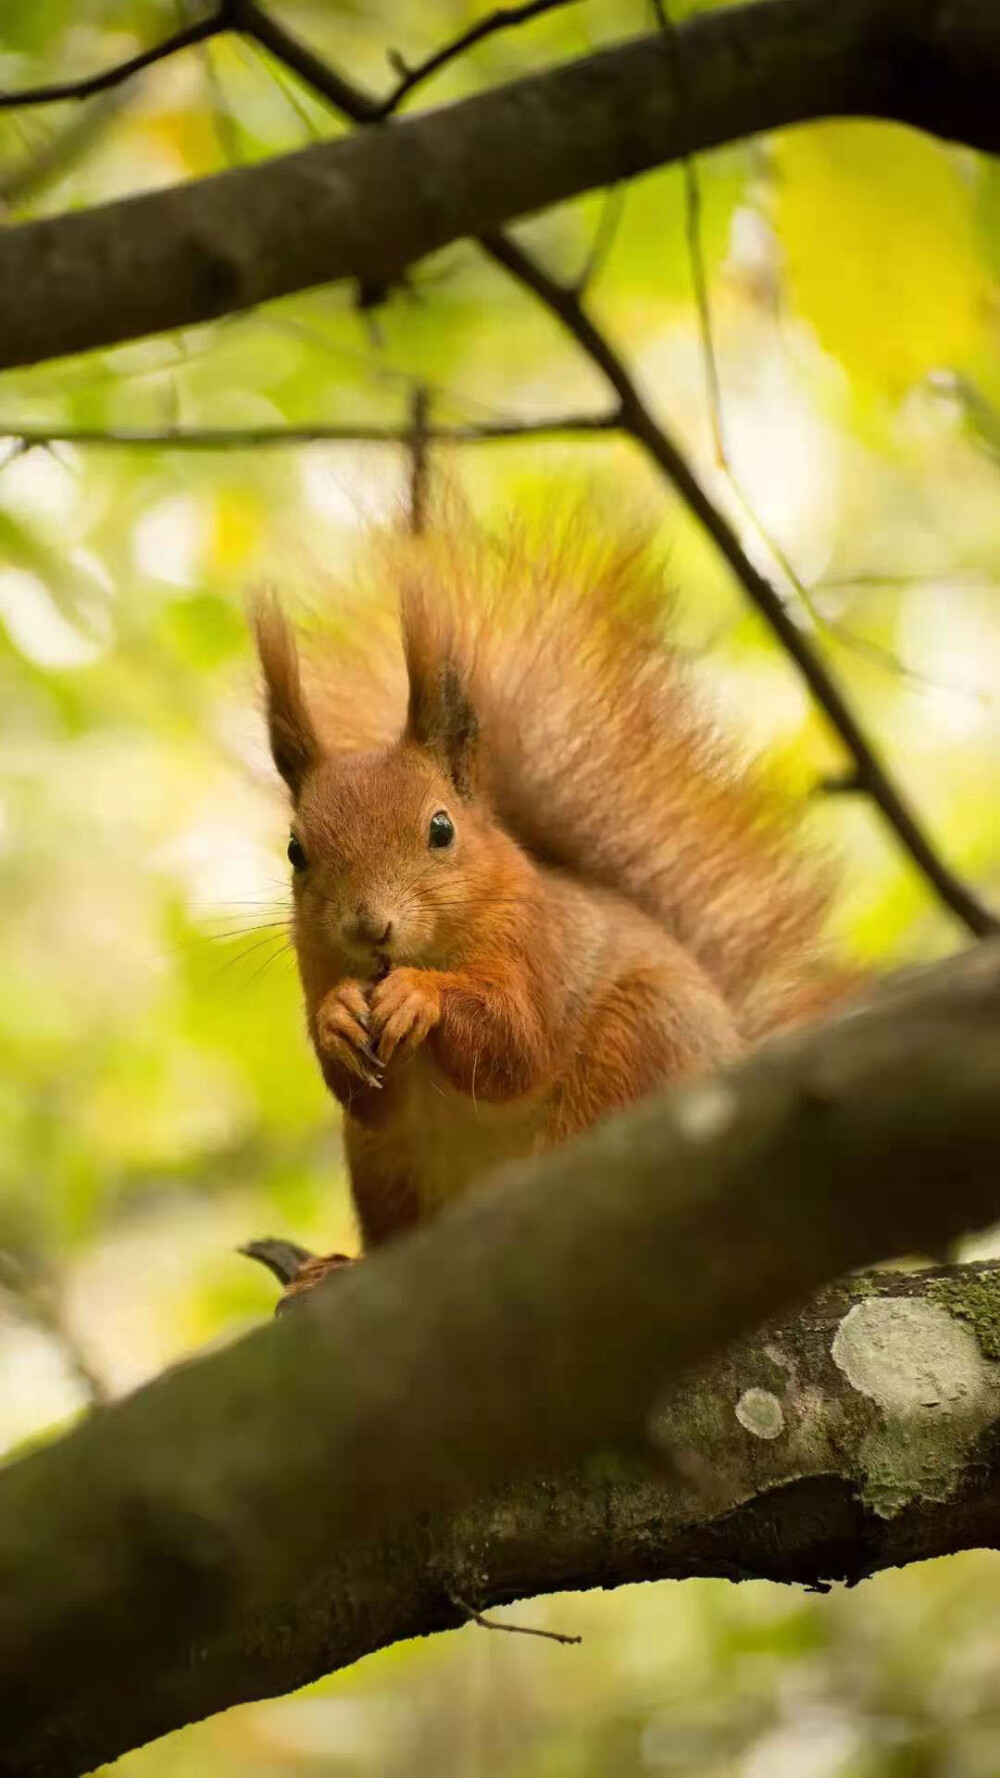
x=86 y=86
x=503 y=19
x=251 y=20
x=229 y=438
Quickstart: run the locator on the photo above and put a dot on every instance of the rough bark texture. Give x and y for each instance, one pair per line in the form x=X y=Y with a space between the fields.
x=175 y=1553
x=368 y=206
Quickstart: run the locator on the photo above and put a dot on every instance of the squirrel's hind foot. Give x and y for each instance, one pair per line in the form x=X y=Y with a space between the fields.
x=295 y=1267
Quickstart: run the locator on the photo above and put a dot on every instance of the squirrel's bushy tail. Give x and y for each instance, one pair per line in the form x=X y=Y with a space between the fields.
x=596 y=753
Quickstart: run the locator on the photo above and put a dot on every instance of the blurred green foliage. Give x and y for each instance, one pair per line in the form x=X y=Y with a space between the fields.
x=157 y=1099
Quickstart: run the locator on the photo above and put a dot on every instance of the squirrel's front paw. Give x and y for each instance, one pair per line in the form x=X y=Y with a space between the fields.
x=404 y=1008
x=342 y=1032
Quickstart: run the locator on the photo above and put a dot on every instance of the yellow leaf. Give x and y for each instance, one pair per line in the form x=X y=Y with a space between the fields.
x=878 y=226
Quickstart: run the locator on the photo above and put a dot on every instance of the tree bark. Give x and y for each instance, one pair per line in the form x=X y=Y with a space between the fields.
x=368 y=206
x=163 y=1559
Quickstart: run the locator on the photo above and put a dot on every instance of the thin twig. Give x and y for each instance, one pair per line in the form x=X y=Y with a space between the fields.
x=501 y=20
x=703 y=309
x=226 y=438
x=287 y=87
x=845 y=783
x=612 y=210
x=250 y=19
x=637 y=420
x=419 y=459
x=23 y=178
x=85 y=88
x=37 y=1300
x=692 y=213
x=876 y=652
x=890 y=662
x=490 y=1623
x=971 y=578
x=349 y=98
x=226 y=129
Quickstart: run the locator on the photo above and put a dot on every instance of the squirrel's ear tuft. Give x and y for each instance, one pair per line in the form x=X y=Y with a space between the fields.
x=441 y=715
x=295 y=745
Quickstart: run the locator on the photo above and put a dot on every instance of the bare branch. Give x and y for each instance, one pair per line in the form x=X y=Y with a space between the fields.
x=247 y=17
x=612 y=210
x=38 y=1299
x=637 y=420
x=349 y=98
x=503 y=19
x=235 y=438
x=893 y=663
x=419 y=458
x=23 y=178
x=692 y=213
x=280 y=1508
x=972 y=578
x=88 y=85
x=492 y=1623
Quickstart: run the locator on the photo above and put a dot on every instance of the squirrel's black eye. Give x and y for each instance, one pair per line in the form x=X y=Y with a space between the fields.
x=296 y=856
x=442 y=830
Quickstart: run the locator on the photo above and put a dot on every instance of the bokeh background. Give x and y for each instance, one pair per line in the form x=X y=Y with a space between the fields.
x=158 y=1103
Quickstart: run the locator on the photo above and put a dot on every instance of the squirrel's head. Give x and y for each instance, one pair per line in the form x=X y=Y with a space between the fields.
x=385 y=843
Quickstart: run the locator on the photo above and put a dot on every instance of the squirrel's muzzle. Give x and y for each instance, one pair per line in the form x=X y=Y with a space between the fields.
x=367 y=928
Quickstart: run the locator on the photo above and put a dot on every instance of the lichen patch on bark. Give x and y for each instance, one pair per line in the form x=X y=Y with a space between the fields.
x=761 y=1413
x=934 y=1389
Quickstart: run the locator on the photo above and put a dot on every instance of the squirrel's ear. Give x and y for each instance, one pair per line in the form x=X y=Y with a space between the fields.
x=295 y=745
x=441 y=715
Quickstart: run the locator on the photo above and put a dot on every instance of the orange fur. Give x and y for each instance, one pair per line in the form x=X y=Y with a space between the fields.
x=620 y=907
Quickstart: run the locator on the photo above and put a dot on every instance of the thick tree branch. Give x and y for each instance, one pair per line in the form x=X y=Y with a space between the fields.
x=367 y=207
x=774 y=1464
x=536 y=1322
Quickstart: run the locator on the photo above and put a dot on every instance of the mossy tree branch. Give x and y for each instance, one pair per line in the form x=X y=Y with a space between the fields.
x=224 y=1532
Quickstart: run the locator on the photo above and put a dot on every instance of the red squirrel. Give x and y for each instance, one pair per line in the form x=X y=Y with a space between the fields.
x=530 y=883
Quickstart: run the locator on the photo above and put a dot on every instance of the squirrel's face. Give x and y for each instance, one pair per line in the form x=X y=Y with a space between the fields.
x=389 y=850
x=381 y=850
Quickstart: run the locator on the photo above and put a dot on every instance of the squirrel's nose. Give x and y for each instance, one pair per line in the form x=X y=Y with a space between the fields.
x=367 y=927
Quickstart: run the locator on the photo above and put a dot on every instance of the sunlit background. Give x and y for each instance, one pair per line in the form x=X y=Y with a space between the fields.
x=158 y=1103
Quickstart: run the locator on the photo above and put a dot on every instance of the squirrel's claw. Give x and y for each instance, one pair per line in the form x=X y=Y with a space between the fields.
x=372 y=1076
x=283 y=1259
x=342 y=1033
x=315 y=1270
x=294 y=1267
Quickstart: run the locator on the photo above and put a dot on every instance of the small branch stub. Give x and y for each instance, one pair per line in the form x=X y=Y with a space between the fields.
x=491 y=1623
